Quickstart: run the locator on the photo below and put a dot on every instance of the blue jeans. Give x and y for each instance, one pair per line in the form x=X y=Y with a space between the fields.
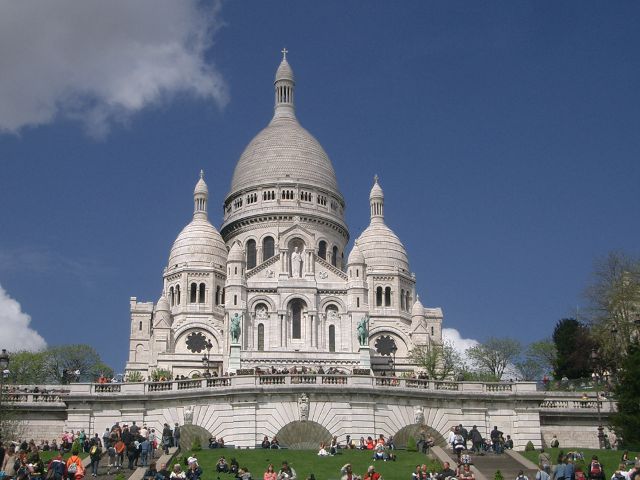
x=94 y=466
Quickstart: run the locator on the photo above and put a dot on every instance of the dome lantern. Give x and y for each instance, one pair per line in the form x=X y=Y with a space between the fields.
x=376 y=201
x=284 y=89
x=200 y=197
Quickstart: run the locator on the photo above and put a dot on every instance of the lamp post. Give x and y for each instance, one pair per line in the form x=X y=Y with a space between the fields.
x=394 y=349
x=594 y=359
x=4 y=371
x=205 y=358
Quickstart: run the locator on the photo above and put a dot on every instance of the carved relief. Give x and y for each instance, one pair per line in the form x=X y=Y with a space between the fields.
x=303 y=406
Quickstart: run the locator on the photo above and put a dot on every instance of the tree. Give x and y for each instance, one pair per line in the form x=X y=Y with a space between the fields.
x=529 y=370
x=614 y=305
x=438 y=361
x=494 y=355
x=544 y=353
x=574 y=346
x=67 y=359
x=626 y=421
x=28 y=368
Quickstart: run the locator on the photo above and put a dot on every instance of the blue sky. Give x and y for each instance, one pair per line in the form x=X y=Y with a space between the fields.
x=506 y=136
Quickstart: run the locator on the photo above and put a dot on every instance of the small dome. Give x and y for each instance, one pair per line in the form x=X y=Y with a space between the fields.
x=284 y=72
x=418 y=308
x=199 y=243
x=162 y=305
x=201 y=186
x=355 y=256
x=376 y=190
x=382 y=249
x=236 y=254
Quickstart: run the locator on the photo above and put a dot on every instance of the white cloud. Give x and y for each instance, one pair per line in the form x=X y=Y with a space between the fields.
x=14 y=325
x=460 y=344
x=101 y=61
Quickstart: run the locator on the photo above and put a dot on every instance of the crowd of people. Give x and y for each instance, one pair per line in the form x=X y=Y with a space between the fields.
x=137 y=445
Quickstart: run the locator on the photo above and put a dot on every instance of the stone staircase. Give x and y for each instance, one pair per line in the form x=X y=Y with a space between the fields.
x=485 y=466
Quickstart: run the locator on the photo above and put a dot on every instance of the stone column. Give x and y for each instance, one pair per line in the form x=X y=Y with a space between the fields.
x=309 y=331
x=281 y=329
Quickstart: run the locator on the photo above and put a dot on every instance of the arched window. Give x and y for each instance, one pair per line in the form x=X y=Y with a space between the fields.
x=140 y=326
x=322 y=249
x=260 y=337
x=201 y=294
x=332 y=338
x=432 y=331
x=235 y=271
x=223 y=293
x=172 y=297
x=268 y=249
x=235 y=299
x=408 y=301
x=193 y=293
x=218 y=295
x=296 y=319
x=251 y=254
x=387 y=297
x=402 y=299
x=379 y=297
x=177 y=294
x=334 y=257
x=357 y=302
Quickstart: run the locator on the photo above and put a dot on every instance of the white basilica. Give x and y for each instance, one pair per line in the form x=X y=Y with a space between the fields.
x=272 y=287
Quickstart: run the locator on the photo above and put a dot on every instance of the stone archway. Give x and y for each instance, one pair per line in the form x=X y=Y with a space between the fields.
x=403 y=435
x=189 y=433
x=303 y=435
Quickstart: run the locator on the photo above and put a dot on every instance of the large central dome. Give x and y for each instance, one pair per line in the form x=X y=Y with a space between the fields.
x=284 y=152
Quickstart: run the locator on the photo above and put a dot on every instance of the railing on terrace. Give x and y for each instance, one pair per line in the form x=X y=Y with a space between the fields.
x=588 y=404
x=268 y=379
x=25 y=394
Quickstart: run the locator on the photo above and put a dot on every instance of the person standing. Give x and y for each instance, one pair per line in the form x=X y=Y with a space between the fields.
x=95 y=452
x=176 y=435
x=476 y=439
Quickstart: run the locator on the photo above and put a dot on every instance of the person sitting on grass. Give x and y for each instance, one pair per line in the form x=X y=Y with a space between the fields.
x=347 y=473
x=151 y=472
x=243 y=474
x=417 y=474
x=234 y=466
x=286 y=472
x=265 y=442
x=270 y=474
x=446 y=472
x=194 y=472
x=275 y=444
x=378 y=453
x=163 y=473
x=465 y=473
x=177 y=473
x=322 y=452
x=222 y=466
x=372 y=474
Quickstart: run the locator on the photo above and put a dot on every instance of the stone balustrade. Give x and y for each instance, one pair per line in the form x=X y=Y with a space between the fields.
x=307 y=379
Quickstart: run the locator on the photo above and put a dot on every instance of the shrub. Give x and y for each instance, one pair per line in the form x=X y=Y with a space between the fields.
x=196 y=445
x=134 y=376
x=411 y=445
x=160 y=374
x=119 y=476
x=498 y=475
x=529 y=447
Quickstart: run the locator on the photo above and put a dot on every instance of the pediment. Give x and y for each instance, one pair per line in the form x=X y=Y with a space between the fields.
x=297 y=228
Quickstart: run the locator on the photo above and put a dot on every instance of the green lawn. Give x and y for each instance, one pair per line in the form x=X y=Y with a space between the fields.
x=306 y=462
x=609 y=459
x=47 y=456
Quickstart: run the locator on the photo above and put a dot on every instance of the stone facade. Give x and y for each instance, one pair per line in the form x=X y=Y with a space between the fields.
x=279 y=266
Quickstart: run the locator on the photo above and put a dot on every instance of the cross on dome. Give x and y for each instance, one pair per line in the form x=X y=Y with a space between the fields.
x=284 y=53
x=202 y=174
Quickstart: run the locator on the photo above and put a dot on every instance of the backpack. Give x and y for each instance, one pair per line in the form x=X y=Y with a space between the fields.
x=72 y=468
x=120 y=446
x=93 y=450
x=596 y=469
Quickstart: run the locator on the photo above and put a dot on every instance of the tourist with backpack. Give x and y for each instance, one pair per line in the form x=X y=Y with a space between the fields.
x=75 y=469
x=596 y=471
x=95 y=452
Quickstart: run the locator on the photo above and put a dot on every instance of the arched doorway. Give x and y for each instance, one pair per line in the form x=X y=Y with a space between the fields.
x=303 y=435
x=415 y=431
